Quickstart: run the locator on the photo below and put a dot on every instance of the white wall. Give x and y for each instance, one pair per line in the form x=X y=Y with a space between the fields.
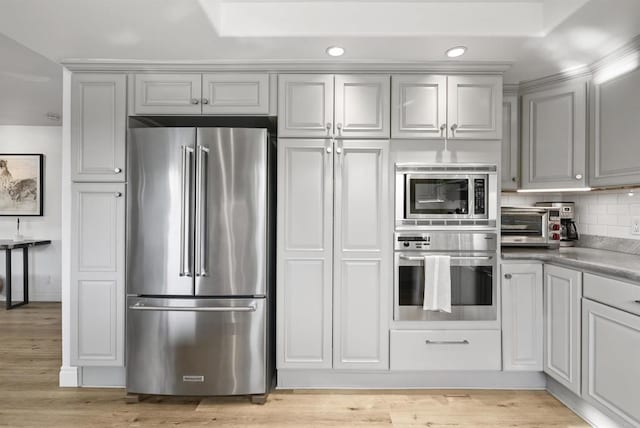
x=44 y=262
x=603 y=213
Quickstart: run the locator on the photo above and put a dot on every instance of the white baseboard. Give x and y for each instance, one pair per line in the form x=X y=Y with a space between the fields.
x=333 y=379
x=582 y=408
x=103 y=377
x=68 y=377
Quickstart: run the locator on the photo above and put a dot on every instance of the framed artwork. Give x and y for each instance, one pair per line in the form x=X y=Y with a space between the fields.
x=21 y=185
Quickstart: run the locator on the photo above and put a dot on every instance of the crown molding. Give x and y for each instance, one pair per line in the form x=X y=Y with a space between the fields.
x=303 y=66
x=583 y=72
x=630 y=48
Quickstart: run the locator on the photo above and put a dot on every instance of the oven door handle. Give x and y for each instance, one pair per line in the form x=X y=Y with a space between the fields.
x=417 y=259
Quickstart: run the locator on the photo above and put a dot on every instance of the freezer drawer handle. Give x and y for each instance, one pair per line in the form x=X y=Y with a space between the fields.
x=447 y=342
x=140 y=307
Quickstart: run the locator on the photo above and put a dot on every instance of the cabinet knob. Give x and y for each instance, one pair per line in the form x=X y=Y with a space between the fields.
x=443 y=128
x=195 y=101
x=339 y=126
x=328 y=128
x=578 y=176
x=329 y=149
x=205 y=101
x=338 y=150
x=507 y=275
x=453 y=130
x=514 y=179
x=117 y=194
x=117 y=170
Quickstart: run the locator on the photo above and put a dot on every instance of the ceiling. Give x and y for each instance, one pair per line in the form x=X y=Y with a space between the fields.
x=538 y=37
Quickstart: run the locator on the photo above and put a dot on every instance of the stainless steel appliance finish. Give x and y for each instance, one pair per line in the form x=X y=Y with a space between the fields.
x=231 y=207
x=460 y=195
x=199 y=317
x=530 y=226
x=474 y=286
x=196 y=346
x=568 y=229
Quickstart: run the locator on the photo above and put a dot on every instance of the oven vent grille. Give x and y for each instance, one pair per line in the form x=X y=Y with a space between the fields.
x=487 y=223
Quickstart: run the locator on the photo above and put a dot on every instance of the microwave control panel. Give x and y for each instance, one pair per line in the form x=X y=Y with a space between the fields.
x=479 y=194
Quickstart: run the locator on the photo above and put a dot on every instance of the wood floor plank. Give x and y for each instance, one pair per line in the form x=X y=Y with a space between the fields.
x=30 y=358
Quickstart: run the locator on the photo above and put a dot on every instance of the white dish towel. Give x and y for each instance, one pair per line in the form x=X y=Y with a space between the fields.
x=437 y=283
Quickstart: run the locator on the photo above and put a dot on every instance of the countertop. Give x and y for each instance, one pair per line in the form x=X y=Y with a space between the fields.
x=611 y=263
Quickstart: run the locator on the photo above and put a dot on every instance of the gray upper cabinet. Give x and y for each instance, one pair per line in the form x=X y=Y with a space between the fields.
x=98 y=126
x=436 y=107
x=510 y=143
x=361 y=106
x=614 y=148
x=342 y=106
x=474 y=107
x=235 y=93
x=554 y=137
x=419 y=106
x=195 y=94
x=168 y=94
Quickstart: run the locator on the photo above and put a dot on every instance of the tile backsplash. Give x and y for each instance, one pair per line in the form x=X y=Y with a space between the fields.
x=602 y=212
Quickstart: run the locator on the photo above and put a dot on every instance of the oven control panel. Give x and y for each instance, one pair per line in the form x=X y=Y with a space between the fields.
x=420 y=242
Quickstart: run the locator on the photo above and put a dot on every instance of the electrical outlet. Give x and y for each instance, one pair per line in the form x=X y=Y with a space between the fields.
x=635 y=225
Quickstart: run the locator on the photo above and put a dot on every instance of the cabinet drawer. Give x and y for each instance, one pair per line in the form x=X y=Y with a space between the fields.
x=621 y=295
x=445 y=350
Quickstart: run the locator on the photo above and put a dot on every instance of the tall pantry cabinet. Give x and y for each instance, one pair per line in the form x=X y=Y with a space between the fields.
x=333 y=277
x=98 y=190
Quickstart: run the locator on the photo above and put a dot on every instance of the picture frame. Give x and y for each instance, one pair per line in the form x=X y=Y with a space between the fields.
x=21 y=184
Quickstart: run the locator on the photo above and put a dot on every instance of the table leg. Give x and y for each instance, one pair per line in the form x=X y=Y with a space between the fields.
x=7 y=280
x=25 y=273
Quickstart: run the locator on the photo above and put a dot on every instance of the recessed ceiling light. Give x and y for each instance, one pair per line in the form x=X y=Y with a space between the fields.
x=456 y=51
x=335 y=51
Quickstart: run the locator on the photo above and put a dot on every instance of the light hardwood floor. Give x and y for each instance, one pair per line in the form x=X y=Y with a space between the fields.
x=29 y=396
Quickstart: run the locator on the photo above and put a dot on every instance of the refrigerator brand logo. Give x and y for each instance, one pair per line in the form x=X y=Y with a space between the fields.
x=193 y=378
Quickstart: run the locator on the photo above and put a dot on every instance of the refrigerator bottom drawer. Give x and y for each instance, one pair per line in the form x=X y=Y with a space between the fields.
x=196 y=346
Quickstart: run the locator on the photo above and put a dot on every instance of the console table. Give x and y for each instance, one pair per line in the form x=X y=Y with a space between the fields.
x=8 y=246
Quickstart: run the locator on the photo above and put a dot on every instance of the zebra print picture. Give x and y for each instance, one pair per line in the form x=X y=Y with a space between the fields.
x=21 y=191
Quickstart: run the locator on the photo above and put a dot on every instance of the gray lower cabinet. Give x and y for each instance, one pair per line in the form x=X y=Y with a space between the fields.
x=554 y=137
x=98 y=126
x=611 y=352
x=97 y=274
x=562 y=322
x=614 y=148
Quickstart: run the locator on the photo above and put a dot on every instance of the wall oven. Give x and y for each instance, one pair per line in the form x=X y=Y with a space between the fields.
x=530 y=226
x=447 y=194
x=473 y=275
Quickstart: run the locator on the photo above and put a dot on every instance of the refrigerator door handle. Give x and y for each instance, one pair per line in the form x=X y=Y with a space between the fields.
x=185 y=212
x=201 y=212
x=141 y=307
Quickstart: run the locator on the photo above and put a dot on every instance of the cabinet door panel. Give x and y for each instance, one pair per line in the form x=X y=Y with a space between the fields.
x=474 y=107
x=615 y=153
x=97 y=274
x=419 y=106
x=304 y=254
x=168 y=93
x=98 y=127
x=305 y=105
x=235 y=93
x=362 y=255
x=362 y=106
x=554 y=144
x=510 y=144
x=611 y=351
x=522 y=317
x=562 y=319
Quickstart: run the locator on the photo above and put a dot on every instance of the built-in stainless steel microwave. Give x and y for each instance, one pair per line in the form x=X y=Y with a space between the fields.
x=456 y=194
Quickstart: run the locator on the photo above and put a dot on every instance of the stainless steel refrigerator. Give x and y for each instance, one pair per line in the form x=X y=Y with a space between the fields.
x=199 y=261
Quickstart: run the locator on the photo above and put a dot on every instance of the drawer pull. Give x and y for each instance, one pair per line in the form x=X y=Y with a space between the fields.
x=637 y=301
x=447 y=342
